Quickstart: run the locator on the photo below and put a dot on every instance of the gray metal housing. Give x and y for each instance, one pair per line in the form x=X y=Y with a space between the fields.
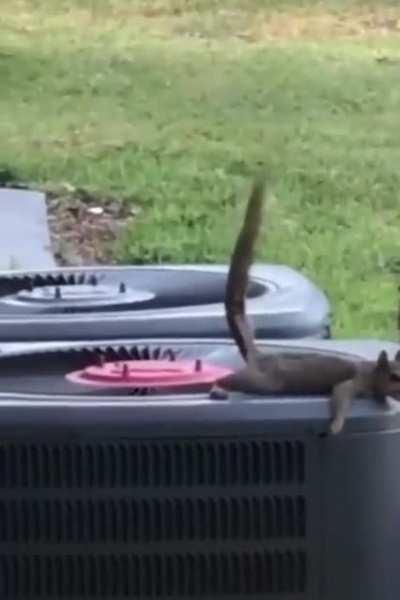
x=185 y=497
x=285 y=305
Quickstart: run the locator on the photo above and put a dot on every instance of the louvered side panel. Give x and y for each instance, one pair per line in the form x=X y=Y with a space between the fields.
x=211 y=519
x=150 y=464
x=149 y=576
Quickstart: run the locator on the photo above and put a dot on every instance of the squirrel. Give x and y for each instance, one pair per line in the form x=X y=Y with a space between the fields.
x=287 y=372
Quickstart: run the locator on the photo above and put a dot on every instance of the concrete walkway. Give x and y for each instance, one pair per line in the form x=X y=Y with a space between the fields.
x=24 y=233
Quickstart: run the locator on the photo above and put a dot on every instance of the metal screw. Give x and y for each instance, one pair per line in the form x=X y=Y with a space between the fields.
x=125 y=371
x=122 y=288
x=198 y=366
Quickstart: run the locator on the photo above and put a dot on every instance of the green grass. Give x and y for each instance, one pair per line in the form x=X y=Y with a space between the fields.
x=176 y=104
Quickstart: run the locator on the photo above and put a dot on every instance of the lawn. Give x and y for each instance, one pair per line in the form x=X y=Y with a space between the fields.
x=173 y=105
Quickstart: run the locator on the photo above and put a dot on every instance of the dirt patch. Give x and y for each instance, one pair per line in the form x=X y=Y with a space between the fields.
x=251 y=22
x=326 y=25
x=263 y=25
x=84 y=226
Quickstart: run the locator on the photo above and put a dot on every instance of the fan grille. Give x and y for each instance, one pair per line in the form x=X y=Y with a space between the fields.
x=15 y=283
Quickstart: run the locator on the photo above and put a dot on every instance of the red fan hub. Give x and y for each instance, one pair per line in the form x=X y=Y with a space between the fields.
x=149 y=374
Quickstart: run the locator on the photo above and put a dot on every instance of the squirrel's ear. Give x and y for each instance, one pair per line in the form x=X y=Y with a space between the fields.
x=382 y=364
